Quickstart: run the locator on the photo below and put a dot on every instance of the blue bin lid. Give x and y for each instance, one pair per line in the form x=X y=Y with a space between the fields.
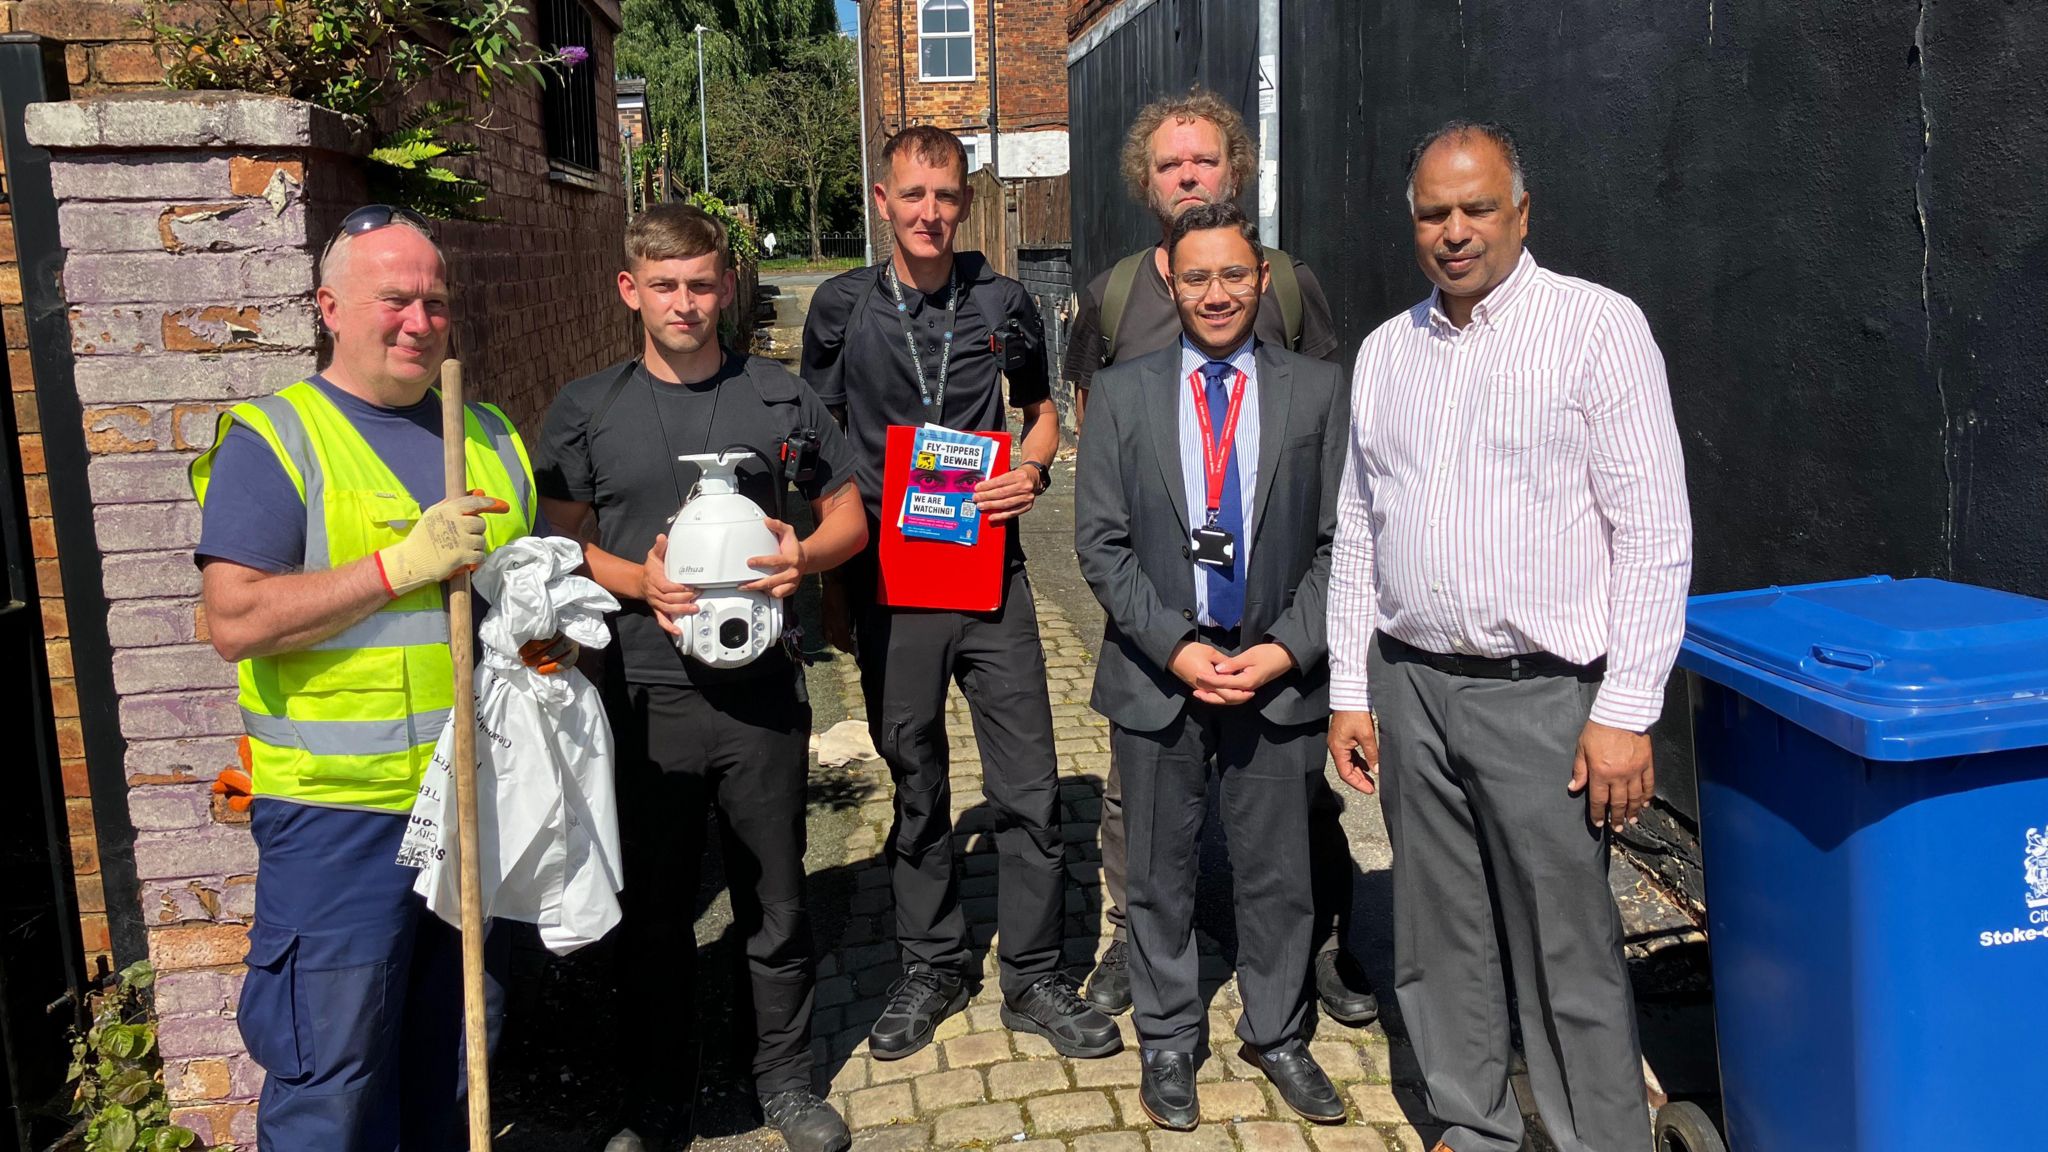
x=1888 y=669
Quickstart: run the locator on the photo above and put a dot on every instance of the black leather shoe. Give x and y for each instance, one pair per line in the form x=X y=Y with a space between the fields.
x=1109 y=986
x=1301 y=1082
x=1345 y=992
x=918 y=1001
x=1166 y=1088
x=807 y=1123
x=1050 y=1009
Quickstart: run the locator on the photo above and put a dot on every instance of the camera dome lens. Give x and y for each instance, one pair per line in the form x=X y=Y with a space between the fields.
x=732 y=634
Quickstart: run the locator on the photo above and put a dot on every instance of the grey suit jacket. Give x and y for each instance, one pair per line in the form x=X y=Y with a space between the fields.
x=1132 y=531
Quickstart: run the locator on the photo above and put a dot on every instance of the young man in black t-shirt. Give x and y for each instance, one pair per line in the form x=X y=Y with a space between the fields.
x=931 y=336
x=692 y=737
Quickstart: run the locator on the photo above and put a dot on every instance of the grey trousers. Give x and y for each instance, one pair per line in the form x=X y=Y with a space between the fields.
x=1500 y=886
x=1259 y=768
x=1329 y=851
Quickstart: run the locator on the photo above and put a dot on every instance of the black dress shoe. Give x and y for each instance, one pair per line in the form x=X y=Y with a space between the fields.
x=1166 y=1088
x=918 y=1001
x=1301 y=1082
x=807 y=1123
x=1342 y=987
x=1109 y=986
x=1050 y=1009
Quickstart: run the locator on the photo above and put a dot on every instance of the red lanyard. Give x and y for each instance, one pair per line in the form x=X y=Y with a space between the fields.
x=1216 y=456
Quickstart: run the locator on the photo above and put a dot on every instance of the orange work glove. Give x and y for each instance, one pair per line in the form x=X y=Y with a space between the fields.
x=550 y=655
x=234 y=783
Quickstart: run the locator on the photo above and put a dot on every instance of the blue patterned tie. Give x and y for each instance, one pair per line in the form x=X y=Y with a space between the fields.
x=1226 y=589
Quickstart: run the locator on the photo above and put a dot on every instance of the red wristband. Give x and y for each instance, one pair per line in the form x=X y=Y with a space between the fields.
x=381 y=577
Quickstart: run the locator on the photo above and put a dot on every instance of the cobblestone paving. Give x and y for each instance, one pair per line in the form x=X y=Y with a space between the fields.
x=980 y=1085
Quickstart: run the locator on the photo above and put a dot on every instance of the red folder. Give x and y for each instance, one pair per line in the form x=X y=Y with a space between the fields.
x=933 y=573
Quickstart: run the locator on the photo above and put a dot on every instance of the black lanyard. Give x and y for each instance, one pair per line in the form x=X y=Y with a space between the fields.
x=932 y=400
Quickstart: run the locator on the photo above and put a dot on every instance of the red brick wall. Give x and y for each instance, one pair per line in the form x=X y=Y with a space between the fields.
x=1085 y=14
x=1031 y=82
x=105 y=45
x=535 y=298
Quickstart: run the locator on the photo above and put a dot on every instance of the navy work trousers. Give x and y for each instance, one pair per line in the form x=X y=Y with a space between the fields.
x=353 y=1000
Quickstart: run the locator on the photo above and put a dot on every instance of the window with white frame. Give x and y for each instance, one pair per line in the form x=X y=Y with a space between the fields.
x=970 y=144
x=945 y=38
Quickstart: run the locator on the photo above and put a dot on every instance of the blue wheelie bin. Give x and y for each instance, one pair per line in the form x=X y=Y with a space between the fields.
x=1873 y=786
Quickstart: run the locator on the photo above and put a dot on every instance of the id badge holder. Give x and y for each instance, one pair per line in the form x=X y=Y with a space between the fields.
x=1215 y=547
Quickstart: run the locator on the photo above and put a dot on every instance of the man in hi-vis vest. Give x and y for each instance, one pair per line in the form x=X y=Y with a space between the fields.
x=323 y=548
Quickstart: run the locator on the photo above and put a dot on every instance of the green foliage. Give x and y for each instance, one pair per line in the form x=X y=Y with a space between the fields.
x=117 y=1075
x=360 y=57
x=406 y=168
x=796 y=127
x=739 y=231
x=745 y=41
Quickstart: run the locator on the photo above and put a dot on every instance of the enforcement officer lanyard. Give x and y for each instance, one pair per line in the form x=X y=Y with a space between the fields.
x=1215 y=455
x=934 y=400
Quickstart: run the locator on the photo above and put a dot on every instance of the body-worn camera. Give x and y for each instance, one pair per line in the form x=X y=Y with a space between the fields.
x=799 y=456
x=1007 y=342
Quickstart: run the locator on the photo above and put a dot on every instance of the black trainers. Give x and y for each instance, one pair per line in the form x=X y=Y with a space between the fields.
x=918 y=1000
x=807 y=1123
x=1050 y=1009
x=1346 y=994
x=1109 y=986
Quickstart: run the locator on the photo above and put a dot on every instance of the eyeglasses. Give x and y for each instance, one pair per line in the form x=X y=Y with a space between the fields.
x=1238 y=281
x=369 y=218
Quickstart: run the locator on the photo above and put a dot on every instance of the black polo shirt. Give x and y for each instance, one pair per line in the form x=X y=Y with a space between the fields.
x=855 y=357
x=622 y=461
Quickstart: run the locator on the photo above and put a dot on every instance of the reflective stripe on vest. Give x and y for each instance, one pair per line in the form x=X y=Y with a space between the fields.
x=352 y=720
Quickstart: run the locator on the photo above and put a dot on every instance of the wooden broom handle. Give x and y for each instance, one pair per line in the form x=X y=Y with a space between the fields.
x=461 y=644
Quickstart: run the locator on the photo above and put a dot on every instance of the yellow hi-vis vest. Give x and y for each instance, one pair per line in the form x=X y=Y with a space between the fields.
x=352 y=720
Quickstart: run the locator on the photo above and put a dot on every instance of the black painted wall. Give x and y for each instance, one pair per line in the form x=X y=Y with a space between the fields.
x=1834 y=213
x=1169 y=47
x=1854 y=322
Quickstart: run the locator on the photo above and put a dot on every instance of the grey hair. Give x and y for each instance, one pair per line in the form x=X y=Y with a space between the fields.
x=1464 y=129
x=335 y=260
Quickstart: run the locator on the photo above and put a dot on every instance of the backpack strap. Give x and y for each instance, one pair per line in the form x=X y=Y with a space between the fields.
x=611 y=395
x=1117 y=297
x=1287 y=293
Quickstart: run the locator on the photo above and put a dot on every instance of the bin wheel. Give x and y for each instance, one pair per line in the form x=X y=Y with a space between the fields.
x=1682 y=1126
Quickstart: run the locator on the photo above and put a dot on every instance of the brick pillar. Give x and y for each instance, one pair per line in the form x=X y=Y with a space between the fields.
x=192 y=223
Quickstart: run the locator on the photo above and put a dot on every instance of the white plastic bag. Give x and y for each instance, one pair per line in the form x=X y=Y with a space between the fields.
x=547 y=816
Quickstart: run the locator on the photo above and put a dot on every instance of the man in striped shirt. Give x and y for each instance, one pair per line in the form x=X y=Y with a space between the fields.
x=1507 y=595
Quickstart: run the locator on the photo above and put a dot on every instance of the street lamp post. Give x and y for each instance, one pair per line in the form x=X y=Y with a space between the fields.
x=703 y=116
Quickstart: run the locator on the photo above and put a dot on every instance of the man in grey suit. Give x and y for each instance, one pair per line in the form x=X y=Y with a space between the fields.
x=1213 y=655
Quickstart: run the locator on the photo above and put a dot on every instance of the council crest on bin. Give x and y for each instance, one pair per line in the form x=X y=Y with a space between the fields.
x=2037 y=867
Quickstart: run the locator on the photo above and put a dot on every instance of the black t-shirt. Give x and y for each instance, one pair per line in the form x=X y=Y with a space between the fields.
x=1152 y=321
x=856 y=357
x=626 y=468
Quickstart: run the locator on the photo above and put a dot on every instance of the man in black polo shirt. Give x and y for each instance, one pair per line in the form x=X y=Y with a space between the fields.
x=928 y=337
x=1182 y=152
x=690 y=736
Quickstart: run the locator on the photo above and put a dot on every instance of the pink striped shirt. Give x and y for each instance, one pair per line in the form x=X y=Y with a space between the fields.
x=1515 y=487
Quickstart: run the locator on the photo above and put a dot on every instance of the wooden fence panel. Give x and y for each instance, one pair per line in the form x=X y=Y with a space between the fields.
x=1042 y=217
x=983 y=230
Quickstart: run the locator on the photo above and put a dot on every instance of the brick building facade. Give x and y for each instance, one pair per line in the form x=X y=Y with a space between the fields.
x=928 y=62
x=188 y=277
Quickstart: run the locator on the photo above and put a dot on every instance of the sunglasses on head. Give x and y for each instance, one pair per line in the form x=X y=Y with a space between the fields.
x=371 y=217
